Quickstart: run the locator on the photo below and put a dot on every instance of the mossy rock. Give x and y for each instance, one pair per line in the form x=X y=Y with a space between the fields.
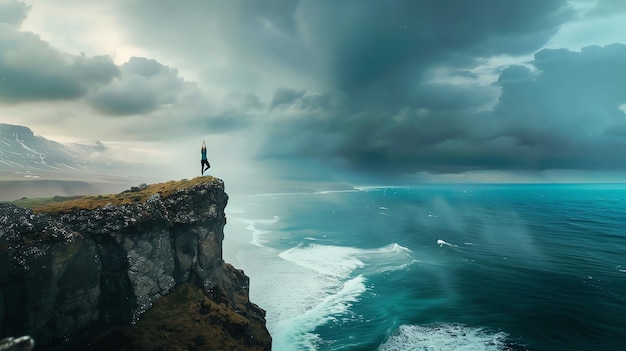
x=187 y=319
x=60 y=204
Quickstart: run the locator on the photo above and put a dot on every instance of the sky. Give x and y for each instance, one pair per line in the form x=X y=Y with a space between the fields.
x=358 y=91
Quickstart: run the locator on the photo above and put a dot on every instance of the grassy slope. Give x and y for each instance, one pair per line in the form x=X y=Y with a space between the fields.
x=186 y=319
x=60 y=204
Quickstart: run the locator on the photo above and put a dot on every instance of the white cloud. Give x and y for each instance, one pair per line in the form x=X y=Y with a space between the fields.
x=601 y=22
x=294 y=78
x=79 y=26
x=13 y=12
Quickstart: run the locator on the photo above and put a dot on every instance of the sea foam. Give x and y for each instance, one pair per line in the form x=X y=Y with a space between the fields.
x=257 y=233
x=332 y=274
x=340 y=261
x=297 y=333
x=335 y=261
x=326 y=270
x=443 y=242
x=445 y=337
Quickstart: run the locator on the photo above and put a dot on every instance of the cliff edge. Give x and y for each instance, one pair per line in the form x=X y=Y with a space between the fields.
x=84 y=271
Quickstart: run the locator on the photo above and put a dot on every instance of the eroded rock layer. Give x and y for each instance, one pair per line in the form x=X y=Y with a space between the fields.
x=71 y=269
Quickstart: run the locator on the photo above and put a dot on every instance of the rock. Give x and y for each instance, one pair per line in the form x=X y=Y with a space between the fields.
x=73 y=269
x=188 y=319
x=23 y=343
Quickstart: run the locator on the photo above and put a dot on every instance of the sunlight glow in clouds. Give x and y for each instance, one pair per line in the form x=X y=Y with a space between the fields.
x=355 y=90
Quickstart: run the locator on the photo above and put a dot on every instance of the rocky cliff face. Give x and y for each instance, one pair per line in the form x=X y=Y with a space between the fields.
x=71 y=269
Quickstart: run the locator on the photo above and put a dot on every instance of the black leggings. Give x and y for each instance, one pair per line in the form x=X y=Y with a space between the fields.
x=204 y=162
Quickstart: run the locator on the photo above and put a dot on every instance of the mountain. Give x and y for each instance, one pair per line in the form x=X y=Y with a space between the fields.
x=33 y=166
x=22 y=151
x=139 y=270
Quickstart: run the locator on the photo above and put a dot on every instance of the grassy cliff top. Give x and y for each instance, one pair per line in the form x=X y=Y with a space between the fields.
x=60 y=204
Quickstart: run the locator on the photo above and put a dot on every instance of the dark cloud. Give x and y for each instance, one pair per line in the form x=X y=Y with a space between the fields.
x=285 y=96
x=142 y=86
x=607 y=8
x=13 y=12
x=145 y=67
x=281 y=13
x=349 y=46
x=559 y=116
x=236 y=42
x=358 y=85
x=569 y=90
x=564 y=113
x=515 y=74
x=227 y=121
x=318 y=102
x=245 y=101
x=379 y=104
x=127 y=98
x=165 y=106
x=30 y=69
x=379 y=46
x=556 y=112
x=393 y=117
x=569 y=107
x=300 y=100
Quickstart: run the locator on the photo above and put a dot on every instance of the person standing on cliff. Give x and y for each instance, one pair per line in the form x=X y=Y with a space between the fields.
x=204 y=161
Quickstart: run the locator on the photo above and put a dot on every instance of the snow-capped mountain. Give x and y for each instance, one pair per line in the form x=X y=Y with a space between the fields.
x=21 y=150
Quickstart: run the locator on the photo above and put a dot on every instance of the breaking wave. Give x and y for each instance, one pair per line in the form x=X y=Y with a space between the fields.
x=336 y=278
x=446 y=337
x=257 y=227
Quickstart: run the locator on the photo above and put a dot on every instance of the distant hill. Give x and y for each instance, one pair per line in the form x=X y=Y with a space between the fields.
x=22 y=151
x=33 y=166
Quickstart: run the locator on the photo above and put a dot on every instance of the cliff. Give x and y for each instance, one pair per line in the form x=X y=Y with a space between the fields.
x=72 y=269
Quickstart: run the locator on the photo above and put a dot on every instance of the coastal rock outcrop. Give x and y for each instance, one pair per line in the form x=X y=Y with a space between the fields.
x=71 y=269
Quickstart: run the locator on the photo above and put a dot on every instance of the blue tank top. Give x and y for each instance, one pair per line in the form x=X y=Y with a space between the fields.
x=203 y=151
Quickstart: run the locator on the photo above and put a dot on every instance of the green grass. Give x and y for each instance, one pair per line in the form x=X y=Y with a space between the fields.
x=59 y=204
x=35 y=202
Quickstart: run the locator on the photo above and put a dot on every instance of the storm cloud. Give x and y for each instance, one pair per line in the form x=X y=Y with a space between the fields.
x=31 y=69
x=13 y=12
x=564 y=113
x=377 y=46
x=395 y=115
x=142 y=86
x=164 y=104
x=365 y=87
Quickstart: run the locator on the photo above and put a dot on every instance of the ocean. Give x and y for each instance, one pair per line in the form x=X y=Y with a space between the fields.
x=437 y=267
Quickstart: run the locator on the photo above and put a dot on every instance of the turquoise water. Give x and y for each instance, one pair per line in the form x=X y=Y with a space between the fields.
x=440 y=267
